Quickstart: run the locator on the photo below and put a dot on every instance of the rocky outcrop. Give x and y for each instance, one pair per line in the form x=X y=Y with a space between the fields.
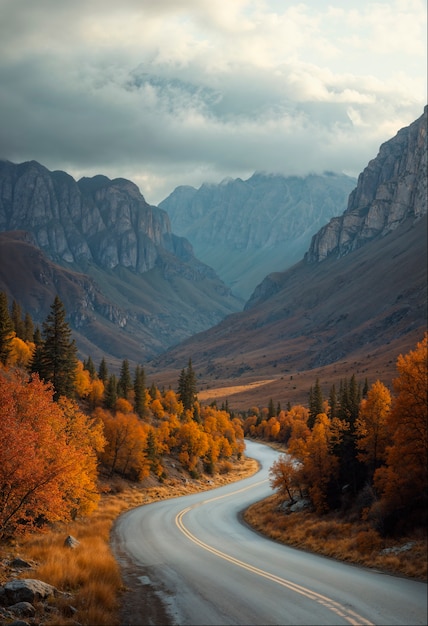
x=246 y=229
x=391 y=189
x=130 y=286
x=95 y=220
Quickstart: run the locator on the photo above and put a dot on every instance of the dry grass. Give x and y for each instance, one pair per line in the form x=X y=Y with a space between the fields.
x=89 y=572
x=353 y=542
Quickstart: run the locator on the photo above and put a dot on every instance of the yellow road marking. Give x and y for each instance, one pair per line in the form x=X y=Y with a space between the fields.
x=350 y=616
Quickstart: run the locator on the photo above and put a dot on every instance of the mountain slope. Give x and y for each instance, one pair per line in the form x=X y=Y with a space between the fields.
x=246 y=229
x=362 y=305
x=153 y=292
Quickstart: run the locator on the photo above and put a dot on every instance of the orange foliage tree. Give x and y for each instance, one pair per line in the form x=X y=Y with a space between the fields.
x=126 y=437
x=402 y=482
x=48 y=462
x=371 y=427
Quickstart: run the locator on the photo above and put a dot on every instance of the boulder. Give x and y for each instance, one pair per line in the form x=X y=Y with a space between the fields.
x=71 y=542
x=24 y=609
x=27 y=590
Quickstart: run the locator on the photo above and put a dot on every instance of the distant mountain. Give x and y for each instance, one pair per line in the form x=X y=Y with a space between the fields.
x=357 y=299
x=247 y=229
x=138 y=288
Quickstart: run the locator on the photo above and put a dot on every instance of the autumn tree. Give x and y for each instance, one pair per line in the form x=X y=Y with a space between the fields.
x=48 y=463
x=403 y=481
x=57 y=360
x=285 y=476
x=371 y=427
x=126 y=438
x=21 y=353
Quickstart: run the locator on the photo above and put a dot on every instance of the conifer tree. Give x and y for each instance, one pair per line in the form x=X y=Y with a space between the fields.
x=110 y=394
x=90 y=367
x=28 y=328
x=315 y=403
x=140 y=404
x=17 y=321
x=103 y=371
x=6 y=329
x=58 y=357
x=332 y=402
x=125 y=381
x=187 y=387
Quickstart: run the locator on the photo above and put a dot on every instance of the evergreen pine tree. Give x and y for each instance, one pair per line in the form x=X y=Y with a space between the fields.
x=58 y=362
x=140 y=404
x=6 y=329
x=29 y=328
x=187 y=387
x=110 y=393
x=89 y=366
x=315 y=403
x=36 y=361
x=332 y=402
x=271 y=409
x=125 y=381
x=17 y=321
x=103 y=371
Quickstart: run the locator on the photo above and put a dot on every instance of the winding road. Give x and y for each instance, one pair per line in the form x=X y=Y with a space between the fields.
x=204 y=566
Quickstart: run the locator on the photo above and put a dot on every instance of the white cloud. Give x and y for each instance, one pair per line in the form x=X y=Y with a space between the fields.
x=182 y=91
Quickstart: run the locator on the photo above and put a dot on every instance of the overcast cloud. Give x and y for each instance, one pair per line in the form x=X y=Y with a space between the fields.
x=172 y=92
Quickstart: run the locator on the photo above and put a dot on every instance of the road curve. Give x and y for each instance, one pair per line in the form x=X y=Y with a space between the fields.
x=195 y=556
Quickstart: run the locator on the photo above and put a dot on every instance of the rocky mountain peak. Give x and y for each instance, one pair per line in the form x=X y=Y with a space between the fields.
x=98 y=220
x=391 y=189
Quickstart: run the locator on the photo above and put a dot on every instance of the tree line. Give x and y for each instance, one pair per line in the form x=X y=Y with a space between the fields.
x=363 y=449
x=62 y=420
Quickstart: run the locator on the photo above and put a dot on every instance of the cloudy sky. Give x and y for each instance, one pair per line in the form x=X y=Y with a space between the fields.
x=171 y=92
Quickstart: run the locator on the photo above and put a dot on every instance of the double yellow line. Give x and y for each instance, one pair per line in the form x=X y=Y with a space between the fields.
x=350 y=616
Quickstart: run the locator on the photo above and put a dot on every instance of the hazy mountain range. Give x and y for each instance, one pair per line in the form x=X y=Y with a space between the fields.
x=246 y=229
x=134 y=289
x=354 y=302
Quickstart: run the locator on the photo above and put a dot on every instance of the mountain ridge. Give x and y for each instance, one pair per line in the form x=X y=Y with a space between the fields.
x=150 y=283
x=323 y=314
x=247 y=228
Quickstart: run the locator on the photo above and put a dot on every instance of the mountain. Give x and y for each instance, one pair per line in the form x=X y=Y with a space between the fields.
x=246 y=229
x=138 y=288
x=354 y=302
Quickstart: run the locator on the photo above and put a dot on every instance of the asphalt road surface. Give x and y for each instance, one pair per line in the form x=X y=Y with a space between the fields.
x=201 y=565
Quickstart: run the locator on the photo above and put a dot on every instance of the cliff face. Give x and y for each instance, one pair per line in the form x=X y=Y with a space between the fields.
x=391 y=189
x=97 y=220
x=136 y=287
x=356 y=302
x=247 y=229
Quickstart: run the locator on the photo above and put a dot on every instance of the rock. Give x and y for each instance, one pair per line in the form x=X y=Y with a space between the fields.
x=71 y=542
x=391 y=189
x=19 y=622
x=28 y=590
x=20 y=563
x=25 y=609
